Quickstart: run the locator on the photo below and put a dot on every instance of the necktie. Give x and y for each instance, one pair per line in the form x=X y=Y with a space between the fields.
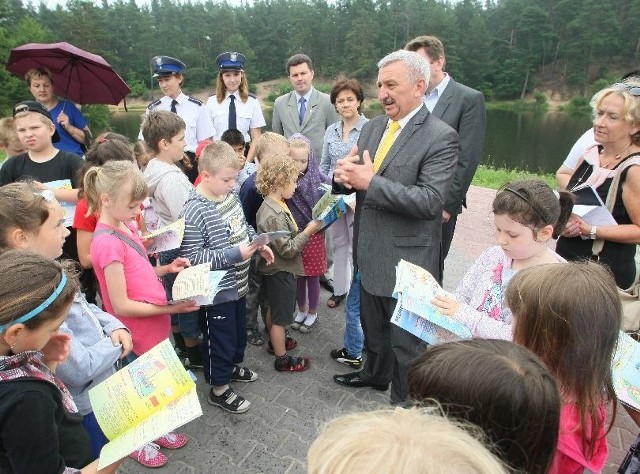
x=232 y=112
x=174 y=102
x=385 y=145
x=303 y=109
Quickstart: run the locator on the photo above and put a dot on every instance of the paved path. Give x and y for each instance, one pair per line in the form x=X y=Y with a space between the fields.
x=288 y=408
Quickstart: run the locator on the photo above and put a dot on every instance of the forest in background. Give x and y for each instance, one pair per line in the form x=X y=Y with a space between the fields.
x=505 y=48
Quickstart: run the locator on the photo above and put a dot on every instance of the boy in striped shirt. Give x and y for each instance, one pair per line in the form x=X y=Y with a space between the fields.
x=217 y=232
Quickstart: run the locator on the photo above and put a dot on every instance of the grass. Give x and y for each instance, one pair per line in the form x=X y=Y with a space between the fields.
x=494 y=178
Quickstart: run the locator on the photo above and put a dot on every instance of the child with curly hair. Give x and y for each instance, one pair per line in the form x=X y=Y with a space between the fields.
x=276 y=181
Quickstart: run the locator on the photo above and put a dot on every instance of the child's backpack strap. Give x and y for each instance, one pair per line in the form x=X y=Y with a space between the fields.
x=130 y=242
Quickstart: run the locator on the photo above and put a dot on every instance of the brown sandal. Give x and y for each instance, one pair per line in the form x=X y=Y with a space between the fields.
x=335 y=300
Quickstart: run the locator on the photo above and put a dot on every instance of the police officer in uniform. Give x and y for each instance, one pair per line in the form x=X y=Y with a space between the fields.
x=233 y=106
x=199 y=125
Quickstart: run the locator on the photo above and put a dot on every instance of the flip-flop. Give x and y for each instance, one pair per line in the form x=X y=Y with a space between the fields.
x=335 y=300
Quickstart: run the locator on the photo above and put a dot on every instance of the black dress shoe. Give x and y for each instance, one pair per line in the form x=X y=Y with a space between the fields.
x=326 y=284
x=353 y=380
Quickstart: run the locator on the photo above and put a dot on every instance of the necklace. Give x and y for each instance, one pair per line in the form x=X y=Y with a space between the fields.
x=615 y=159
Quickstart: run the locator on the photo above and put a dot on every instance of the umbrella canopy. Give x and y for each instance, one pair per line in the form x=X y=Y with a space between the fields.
x=78 y=75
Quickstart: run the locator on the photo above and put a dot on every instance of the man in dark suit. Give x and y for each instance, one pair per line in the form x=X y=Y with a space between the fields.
x=304 y=110
x=407 y=162
x=463 y=109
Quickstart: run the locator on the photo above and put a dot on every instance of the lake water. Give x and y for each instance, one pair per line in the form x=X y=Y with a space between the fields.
x=514 y=140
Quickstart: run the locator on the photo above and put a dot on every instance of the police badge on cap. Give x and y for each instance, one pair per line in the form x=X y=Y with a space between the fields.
x=231 y=61
x=166 y=66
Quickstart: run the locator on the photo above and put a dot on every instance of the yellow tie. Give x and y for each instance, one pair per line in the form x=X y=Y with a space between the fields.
x=385 y=145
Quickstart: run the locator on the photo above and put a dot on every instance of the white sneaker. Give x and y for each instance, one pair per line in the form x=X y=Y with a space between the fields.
x=300 y=318
x=309 y=323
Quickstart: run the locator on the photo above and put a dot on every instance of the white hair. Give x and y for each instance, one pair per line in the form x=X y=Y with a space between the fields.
x=417 y=65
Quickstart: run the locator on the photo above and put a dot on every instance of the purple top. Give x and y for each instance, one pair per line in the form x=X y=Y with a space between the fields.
x=308 y=192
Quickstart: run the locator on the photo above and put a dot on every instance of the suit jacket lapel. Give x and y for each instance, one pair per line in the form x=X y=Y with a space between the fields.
x=405 y=135
x=445 y=100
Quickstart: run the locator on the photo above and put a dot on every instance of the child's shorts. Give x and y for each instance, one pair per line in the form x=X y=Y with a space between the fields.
x=189 y=324
x=281 y=297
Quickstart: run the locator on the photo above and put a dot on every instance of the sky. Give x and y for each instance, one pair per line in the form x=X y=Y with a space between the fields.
x=55 y=3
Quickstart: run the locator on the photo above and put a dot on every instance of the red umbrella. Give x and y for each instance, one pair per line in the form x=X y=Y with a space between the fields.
x=78 y=75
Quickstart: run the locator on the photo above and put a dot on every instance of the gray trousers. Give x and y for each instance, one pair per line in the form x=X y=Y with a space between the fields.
x=388 y=349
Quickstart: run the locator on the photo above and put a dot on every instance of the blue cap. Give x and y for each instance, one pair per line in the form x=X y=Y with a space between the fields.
x=231 y=61
x=166 y=66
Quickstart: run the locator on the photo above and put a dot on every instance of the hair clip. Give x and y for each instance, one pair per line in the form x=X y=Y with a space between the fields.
x=47 y=195
x=102 y=140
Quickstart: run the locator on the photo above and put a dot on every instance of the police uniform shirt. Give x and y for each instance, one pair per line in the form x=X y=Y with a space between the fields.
x=193 y=112
x=248 y=114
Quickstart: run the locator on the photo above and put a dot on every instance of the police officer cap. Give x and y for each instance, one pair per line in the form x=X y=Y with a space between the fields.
x=231 y=61
x=166 y=66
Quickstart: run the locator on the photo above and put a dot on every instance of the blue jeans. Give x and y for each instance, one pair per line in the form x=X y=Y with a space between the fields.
x=353 y=335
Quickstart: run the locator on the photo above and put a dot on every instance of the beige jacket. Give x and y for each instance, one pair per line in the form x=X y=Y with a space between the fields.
x=287 y=251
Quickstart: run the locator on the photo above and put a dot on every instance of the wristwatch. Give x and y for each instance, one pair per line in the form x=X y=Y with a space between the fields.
x=592 y=234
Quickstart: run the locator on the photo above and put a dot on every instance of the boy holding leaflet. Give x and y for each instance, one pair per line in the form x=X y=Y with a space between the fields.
x=217 y=232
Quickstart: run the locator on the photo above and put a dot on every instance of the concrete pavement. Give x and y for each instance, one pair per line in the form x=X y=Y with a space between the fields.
x=289 y=408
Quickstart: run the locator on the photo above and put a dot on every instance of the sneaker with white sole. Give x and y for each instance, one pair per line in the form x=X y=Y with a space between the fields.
x=150 y=456
x=242 y=374
x=342 y=356
x=193 y=365
x=309 y=323
x=299 y=319
x=229 y=401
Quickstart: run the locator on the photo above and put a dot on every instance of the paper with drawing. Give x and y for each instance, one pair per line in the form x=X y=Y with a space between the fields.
x=69 y=207
x=167 y=238
x=148 y=398
x=264 y=239
x=415 y=288
x=625 y=370
x=197 y=283
x=329 y=208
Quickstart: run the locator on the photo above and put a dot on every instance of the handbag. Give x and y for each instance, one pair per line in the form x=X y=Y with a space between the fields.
x=630 y=297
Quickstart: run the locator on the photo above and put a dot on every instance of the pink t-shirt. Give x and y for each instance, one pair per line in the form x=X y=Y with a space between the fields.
x=142 y=285
x=569 y=457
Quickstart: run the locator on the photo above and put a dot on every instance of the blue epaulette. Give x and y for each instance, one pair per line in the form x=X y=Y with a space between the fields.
x=195 y=101
x=153 y=105
x=251 y=94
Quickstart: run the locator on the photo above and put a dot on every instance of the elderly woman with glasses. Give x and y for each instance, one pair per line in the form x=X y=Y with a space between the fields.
x=616 y=127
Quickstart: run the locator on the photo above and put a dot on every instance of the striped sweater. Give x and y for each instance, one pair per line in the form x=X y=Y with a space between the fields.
x=213 y=232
